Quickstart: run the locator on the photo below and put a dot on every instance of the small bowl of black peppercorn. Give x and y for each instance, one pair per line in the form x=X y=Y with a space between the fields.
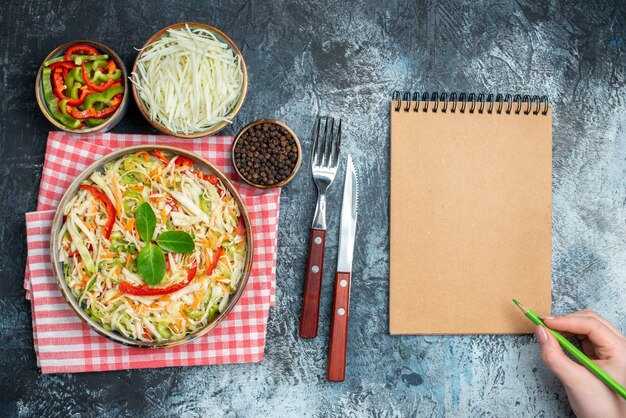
x=266 y=154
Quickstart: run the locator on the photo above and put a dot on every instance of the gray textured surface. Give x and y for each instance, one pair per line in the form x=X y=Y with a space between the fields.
x=345 y=59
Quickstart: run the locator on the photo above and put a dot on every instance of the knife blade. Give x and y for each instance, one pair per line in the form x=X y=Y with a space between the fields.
x=349 y=211
x=341 y=305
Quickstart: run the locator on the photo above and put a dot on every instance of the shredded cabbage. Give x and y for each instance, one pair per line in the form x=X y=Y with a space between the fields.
x=189 y=80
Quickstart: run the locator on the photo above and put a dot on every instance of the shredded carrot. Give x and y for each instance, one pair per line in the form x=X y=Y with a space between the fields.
x=116 y=297
x=143 y=154
x=217 y=278
x=118 y=270
x=183 y=314
x=241 y=244
x=154 y=171
x=129 y=260
x=197 y=297
x=118 y=197
x=163 y=216
x=224 y=288
x=107 y=255
x=130 y=227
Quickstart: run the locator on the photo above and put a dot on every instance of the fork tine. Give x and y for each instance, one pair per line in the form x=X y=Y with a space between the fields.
x=322 y=153
x=328 y=143
x=314 y=152
x=335 y=156
x=333 y=146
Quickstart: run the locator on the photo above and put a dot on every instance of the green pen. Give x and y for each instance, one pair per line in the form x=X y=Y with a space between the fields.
x=576 y=353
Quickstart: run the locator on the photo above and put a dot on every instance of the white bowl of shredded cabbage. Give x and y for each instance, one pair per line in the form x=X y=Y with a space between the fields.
x=151 y=246
x=189 y=80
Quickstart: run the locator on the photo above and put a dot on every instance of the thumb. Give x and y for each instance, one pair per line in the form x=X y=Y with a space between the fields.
x=566 y=370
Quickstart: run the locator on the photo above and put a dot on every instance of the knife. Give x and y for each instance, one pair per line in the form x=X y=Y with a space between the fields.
x=341 y=306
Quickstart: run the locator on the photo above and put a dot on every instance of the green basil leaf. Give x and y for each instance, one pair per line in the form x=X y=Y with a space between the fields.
x=176 y=242
x=151 y=264
x=146 y=222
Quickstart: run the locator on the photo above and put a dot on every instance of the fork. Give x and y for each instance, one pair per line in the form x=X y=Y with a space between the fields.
x=324 y=160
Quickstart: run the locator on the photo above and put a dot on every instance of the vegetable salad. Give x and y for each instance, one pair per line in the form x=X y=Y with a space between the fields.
x=151 y=247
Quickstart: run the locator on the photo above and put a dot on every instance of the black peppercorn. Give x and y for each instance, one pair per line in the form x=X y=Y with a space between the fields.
x=266 y=154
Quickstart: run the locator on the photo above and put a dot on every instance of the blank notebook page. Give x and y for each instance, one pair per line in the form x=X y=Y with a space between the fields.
x=471 y=226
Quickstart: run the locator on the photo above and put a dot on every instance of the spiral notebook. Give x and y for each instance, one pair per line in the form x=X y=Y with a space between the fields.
x=471 y=212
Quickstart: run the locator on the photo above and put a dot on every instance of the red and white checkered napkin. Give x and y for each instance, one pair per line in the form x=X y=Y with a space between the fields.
x=64 y=344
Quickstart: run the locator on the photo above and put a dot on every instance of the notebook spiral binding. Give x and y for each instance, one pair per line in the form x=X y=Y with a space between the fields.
x=454 y=100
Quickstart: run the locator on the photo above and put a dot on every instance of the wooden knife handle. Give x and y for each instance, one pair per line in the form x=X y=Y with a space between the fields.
x=339 y=329
x=313 y=284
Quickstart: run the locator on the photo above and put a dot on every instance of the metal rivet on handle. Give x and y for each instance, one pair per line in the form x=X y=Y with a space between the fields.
x=343 y=283
x=315 y=269
x=341 y=311
x=318 y=240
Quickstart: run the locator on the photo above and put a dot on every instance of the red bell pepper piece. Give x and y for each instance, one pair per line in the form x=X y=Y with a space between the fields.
x=183 y=161
x=80 y=49
x=92 y=113
x=58 y=85
x=91 y=84
x=241 y=228
x=219 y=254
x=211 y=178
x=107 y=203
x=62 y=64
x=80 y=100
x=111 y=66
x=116 y=100
x=147 y=334
x=161 y=156
x=145 y=290
x=172 y=204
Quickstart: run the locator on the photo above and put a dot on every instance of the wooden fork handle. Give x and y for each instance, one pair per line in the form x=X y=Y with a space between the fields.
x=339 y=329
x=313 y=284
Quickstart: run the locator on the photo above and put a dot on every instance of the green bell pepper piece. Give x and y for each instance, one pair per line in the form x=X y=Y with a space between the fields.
x=74 y=75
x=164 y=330
x=52 y=102
x=131 y=161
x=75 y=87
x=214 y=311
x=95 y=122
x=79 y=58
x=195 y=315
x=103 y=97
x=118 y=243
x=131 y=200
x=92 y=65
x=99 y=76
x=205 y=205
x=63 y=106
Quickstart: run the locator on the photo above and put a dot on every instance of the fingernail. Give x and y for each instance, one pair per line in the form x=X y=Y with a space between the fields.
x=540 y=333
x=547 y=317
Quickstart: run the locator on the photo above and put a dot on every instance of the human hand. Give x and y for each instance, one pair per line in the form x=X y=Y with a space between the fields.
x=601 y=342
